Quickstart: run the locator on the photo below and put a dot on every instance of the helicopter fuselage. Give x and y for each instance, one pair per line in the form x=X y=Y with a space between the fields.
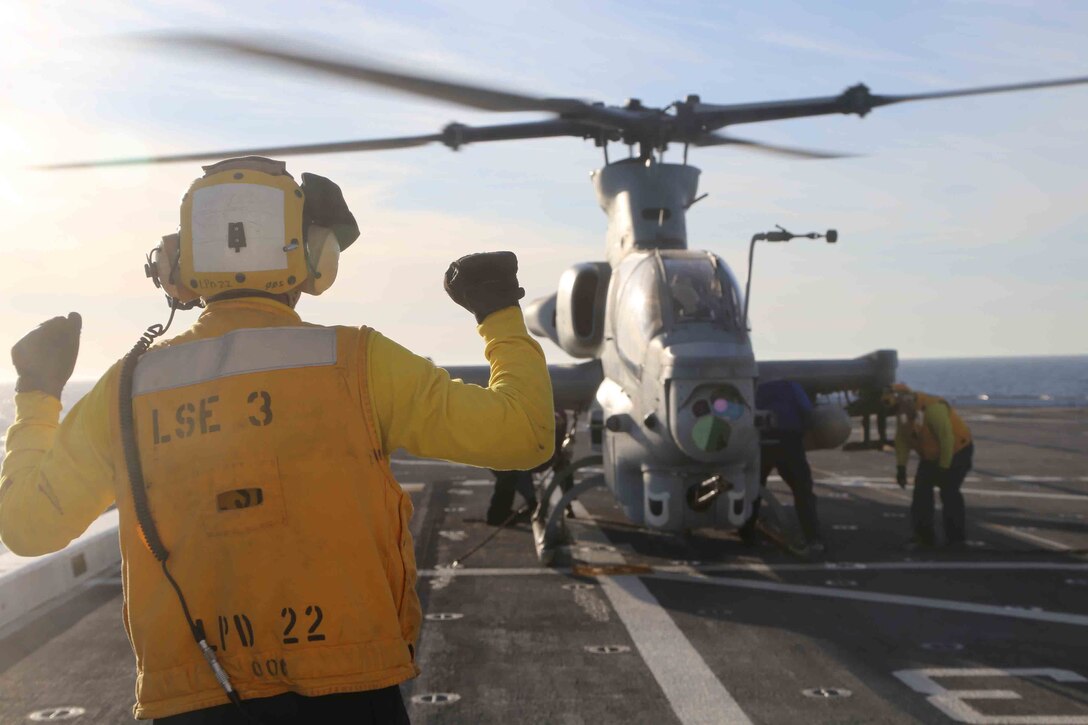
x=675 y=416
x=679 y=441
x=673 y=413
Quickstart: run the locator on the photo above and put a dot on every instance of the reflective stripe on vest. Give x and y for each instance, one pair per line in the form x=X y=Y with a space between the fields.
x=236 y=353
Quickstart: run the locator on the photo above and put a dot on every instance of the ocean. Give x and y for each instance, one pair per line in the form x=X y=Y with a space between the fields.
x=1002 y=382
x=989 y=382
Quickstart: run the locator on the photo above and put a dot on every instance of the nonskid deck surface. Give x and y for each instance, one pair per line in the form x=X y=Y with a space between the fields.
x=649 y=628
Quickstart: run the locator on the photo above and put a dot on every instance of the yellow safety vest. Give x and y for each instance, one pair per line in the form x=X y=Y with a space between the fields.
x=923 y=439
x=286 y=530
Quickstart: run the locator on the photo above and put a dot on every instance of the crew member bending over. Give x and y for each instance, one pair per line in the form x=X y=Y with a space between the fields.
x=782 y=447
x=930 y=426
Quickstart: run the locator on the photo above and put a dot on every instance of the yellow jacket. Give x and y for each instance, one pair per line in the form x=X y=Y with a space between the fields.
x=939 y=436
x=271 y=488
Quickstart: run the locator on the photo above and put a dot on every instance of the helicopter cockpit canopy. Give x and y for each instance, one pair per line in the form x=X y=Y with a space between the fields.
x=668 y=291
x=700 y=290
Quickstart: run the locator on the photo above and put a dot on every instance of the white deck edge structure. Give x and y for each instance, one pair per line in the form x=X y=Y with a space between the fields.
x=27 y=583
x=694 y=692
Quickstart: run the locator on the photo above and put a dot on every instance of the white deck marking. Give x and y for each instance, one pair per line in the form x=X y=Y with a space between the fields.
x=1025 y=536
x=694 y=692
x=495 y=571
x=412 y=487
x=908 y=566
x=868 y=483
x=1078 y=620
x=954 y=703
x=901 y=566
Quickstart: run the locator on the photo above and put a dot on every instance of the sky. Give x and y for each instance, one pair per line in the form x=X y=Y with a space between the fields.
x=962 y=223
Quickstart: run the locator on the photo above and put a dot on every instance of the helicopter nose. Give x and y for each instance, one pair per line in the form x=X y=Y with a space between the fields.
x=709 y=419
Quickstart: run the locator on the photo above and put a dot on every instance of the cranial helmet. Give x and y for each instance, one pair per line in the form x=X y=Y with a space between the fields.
x=894 y=393
x=246 y=225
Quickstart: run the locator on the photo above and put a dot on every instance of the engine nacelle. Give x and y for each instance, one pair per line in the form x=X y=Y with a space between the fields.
x=540 y=317
x=580 y=308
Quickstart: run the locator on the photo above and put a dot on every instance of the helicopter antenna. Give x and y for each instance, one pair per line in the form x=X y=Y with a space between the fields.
x=781 y=235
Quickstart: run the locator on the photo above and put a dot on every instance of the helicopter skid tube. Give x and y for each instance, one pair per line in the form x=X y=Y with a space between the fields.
x=566 y=473
x=546 y=543
x=549 y=530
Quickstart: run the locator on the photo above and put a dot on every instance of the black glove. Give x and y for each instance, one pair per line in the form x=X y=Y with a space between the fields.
x=901 y=476
x=484 y=283
x=45 y=357
x=325 y=207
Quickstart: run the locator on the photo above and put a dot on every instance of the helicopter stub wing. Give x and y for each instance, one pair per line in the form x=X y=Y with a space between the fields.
x=873 y=371
x=573 y=386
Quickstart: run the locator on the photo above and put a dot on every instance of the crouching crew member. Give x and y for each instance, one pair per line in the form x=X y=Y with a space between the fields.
x=782 y=447
x=269 y=573
x=930 y=426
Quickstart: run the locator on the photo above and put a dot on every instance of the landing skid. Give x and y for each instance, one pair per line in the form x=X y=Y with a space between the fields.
x=549 y=527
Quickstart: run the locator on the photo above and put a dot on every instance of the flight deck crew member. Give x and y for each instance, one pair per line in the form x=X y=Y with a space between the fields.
x=266 y=556
x=930 y=426
x=500 y=510
x=501 y=507
x=782 y=447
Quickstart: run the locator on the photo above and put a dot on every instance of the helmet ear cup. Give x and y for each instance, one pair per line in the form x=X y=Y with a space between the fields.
x=165 y=270
x=323 y=259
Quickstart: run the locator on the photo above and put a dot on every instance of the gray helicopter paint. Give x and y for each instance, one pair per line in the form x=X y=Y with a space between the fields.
x=645 y=202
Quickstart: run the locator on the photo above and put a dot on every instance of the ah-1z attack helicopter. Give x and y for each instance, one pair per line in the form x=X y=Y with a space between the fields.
x=671 y=375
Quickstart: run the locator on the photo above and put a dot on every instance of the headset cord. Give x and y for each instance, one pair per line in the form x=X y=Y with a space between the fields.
x=145 y=523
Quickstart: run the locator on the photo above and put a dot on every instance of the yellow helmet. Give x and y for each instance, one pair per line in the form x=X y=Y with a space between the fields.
x=246 y=225
x=895 y=393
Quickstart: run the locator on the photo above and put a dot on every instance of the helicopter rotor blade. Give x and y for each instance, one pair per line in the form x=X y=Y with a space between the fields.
x=981 y=90
x=454 y=136
x=717 y=139
x=464 y=94
x=381 y=144
x=856 y=99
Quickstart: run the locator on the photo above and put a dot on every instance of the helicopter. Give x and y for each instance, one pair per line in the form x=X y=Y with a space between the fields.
x=670 y=374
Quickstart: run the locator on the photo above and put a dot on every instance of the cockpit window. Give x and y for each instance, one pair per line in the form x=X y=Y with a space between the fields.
x=697 y=293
